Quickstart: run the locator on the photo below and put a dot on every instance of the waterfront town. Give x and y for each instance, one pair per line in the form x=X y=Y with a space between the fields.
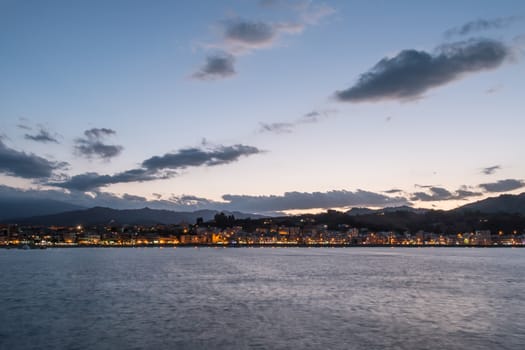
x=267 y=233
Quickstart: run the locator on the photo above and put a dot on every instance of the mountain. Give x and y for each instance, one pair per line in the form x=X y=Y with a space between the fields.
x=11 y=208
x=506 y=203
x=145 y=216
x=366 y=211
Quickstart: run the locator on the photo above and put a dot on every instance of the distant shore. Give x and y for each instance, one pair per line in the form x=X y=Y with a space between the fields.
x=364 y=246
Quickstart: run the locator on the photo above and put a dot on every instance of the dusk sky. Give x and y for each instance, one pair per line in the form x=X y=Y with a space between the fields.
x=262 y=106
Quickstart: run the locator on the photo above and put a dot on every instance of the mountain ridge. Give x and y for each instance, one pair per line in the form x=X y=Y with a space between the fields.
x=145 y=216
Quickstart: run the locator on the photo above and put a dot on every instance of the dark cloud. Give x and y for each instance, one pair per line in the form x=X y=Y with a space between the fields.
x=90 y=149
x=92 y=180
x=42 y=136
x=481 y=25
x=503 y=185
x=160 y=167
x=411 y=73
x=277 y=128
x=394 y=190
x=464 y=194
x=306 y=200
x=246 y=203
x=133 y=198
x=435 y=193
x=490 y=170
x=93 y=144
x=28 y=166
x=199 y=157
x=98 y=133
x=216 y=66
x=249 y=33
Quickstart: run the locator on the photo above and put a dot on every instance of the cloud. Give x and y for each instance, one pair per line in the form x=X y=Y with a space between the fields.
x=490 y=170
x=133 y=198
x=240 y=36
x=92 y=180
x=249 y=34
x=411 y=73
x=481 y=25
x=309 y=200
x=503 y=185
x=394 y=190
x=157 y=195
x=190 y=202
x=160 y=167
x=98 y=133
x=80 y=198
x=435 y=193
x=23 y=127
x=42 y=136
x=277 y=128
x=93 y=146
x=199 y=157
x=217 y=66
x=288 y=127
x=24 y=165
x=316 y=116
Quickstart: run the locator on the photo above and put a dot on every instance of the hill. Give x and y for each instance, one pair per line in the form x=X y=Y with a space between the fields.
x=102 y=216
x=14 y=208
x=506 y=203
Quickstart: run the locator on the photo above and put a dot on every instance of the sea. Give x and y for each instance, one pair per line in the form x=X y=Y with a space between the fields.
x=262 y=298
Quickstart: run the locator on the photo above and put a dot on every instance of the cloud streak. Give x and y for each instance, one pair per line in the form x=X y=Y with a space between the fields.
x=481 y=25
x=160 y=167
x=288 y=127
x=43 y=136
x=276 y=128
x=411 y=73
x=490 y=170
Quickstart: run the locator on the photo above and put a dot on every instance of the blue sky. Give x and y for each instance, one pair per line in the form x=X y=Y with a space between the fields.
x=263 y=106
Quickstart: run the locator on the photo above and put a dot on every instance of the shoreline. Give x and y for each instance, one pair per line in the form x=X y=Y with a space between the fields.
x=275 y=245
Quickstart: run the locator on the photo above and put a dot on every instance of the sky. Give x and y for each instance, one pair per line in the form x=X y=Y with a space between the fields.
x=270 y=106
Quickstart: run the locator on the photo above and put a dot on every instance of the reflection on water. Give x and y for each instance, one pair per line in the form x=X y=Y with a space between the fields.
x=286 y=298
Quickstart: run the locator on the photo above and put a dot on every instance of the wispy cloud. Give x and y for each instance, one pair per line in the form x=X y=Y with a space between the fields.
x=482 y=25
x=288 y=127
x=92 y=145
x=24 y=127
x=42 y=136
x=238 y=36
x=277 y=128
x=411 y=73
x=490 y=170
